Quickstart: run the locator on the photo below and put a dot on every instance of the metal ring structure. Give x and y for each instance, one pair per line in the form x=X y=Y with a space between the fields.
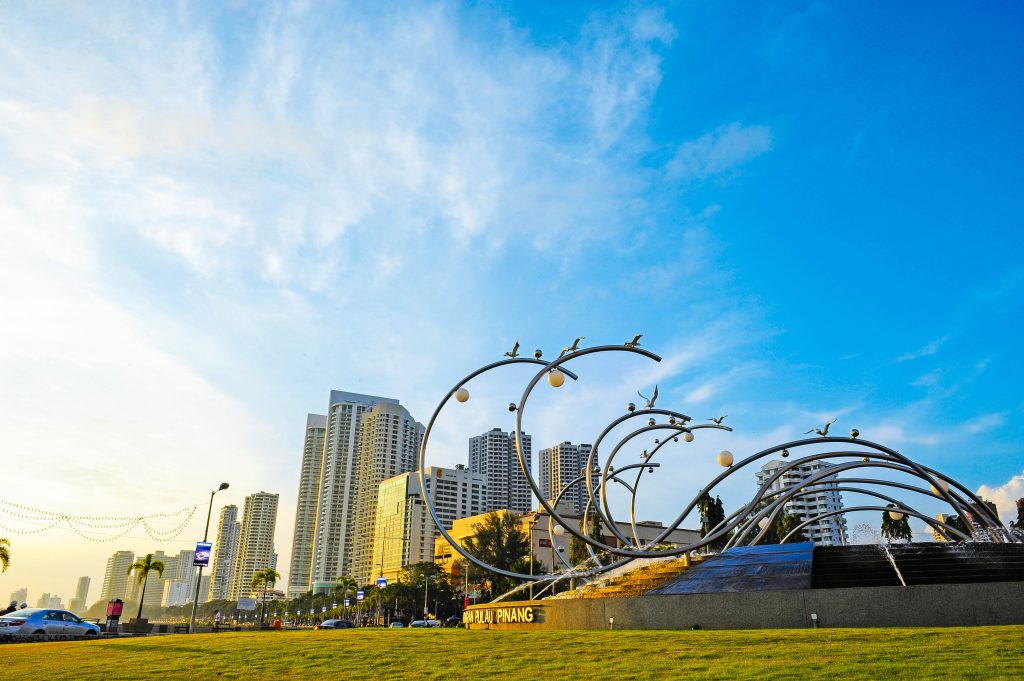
x=736 y=526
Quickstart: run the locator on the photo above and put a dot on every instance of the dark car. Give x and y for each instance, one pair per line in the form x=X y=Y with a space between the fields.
x=336 y=624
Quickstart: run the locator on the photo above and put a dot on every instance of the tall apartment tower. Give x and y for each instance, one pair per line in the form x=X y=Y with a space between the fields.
x=115 y=577
x=494 y=455
x=21 y=595
x=301 y=570
x=389 y=441
x=829 y=531
x=78 y=603
x=228 y=529
x=405 y=532
x=560 y=465
x=255 y=541
x=332 y=548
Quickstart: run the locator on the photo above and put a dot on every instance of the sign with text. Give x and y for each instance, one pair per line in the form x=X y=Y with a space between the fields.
x=359 y=595
x=513 y=614
x=202 y=554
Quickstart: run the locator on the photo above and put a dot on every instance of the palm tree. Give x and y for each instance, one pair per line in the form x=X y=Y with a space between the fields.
x=5 y=553
x=347 y=586
x=267 y=578
x=142 y=568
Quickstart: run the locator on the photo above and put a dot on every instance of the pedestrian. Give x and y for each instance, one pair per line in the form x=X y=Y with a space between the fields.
x=216 y=620
x=10 y=608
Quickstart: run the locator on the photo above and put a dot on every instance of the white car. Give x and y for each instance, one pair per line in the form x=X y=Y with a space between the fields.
x=41 y=624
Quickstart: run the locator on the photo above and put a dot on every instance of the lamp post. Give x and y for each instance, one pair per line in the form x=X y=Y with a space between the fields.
x=426 y=584
x=199 y=576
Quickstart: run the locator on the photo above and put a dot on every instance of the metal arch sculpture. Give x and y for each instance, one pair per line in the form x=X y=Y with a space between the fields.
x=765 y=505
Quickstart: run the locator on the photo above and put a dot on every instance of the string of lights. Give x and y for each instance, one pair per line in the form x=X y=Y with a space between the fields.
x=88 y=527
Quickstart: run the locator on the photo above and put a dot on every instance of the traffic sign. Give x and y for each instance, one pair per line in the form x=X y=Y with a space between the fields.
x=359 y=595
x=382 y=582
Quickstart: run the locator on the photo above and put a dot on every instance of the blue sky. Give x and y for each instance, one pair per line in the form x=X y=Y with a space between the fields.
x=213 y=216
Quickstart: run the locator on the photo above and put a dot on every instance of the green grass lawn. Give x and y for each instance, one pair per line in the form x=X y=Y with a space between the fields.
x=877 y=654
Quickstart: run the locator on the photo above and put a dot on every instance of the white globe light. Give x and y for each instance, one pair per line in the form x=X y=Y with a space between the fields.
x=725 y=458
x=556 y=378
x=895 y=515
x=943 y=484
x=558 y=530
x=688 y=436
x=762 y=522
x=462 y=394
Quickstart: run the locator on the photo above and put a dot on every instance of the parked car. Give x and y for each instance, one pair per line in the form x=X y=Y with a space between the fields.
x=336 y=624
x=419 y=624
x=41 y=624
x=427 y=624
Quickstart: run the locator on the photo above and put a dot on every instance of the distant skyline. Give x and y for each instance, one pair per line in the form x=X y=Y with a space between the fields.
x=211 y=216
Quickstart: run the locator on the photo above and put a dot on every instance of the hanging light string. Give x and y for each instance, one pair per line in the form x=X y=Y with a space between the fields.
x=86 y=526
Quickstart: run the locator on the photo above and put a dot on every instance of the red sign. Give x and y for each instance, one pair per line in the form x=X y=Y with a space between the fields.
x=545 y=543
x=465 y=602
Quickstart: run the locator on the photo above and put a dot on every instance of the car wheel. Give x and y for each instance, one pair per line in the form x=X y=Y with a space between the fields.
x=90 y=634
x=39 y=636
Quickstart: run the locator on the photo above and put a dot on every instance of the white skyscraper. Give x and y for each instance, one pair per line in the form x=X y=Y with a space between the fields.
x=301 y=570
x=255 y=541
x=829 y=531
x=389 y=440
x=405 y=532
x=78 y=603
x=115 y=577
x=560 y=465
x=332 y=545
x=224 y=549
x=494 y=455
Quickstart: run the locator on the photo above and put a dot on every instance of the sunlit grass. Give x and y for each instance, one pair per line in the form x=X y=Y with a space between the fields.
x=960 y=653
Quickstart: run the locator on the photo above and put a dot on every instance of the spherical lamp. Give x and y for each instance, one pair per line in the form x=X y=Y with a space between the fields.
x=943 y=484
x=558 y=530
x=725 y=458
x=688 y=436
x=895 y=515
x=462 y=394
x=556 y=378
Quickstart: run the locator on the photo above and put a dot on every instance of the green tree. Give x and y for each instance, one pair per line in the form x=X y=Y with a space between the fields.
x=1018 y=524
x=712 y=514
x=142 y=568
x=5 y=553
x=958 y=523
x=266 y=578
x=346 y=587
x=591 y=525
x=786 y=523
x=895 y=530
x=500 y=542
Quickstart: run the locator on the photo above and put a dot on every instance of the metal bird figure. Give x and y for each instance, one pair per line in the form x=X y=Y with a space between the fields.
x=653 y=398
x=823 y=432
x=635 y=343
x=574 y=347
x=514 y=352
x=719 y=420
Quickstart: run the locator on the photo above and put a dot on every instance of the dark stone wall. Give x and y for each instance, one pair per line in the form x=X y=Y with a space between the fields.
x=940 y=605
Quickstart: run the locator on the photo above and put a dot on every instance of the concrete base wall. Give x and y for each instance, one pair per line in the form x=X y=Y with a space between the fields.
x=942 y=605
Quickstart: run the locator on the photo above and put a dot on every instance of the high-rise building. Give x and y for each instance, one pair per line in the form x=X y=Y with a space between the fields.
x=389 y=441
x=332 y=541
x=20 y=596
x=224 y=552
x=301 y=570
x=560 y=465
x=405 y=532
x=830 y=531
x=255 y=541
x=180 y=577
x=115 y=577
x=494 y=455
x=78 y=603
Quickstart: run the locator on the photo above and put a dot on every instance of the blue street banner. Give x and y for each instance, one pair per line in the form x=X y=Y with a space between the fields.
x=382 y=582
x=347 y=603
x=202 y=555
x=359 y=595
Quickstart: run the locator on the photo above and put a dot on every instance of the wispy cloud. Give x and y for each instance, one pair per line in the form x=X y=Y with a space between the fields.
x=719 y=151
x=926 y=350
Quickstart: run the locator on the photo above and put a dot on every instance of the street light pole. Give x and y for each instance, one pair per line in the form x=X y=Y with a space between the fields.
x=199 y=577
x=426 y=584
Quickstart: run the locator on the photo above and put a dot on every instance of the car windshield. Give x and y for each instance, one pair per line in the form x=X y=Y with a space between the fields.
x=27 y=612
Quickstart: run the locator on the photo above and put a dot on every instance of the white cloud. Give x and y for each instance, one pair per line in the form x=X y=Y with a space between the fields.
x=719 y=151
x=927 y=350
x=1005 y=496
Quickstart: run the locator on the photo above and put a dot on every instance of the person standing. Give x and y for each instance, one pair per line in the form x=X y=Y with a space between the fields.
x=216 y=620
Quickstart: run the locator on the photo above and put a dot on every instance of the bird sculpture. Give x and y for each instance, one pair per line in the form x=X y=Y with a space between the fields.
x=574 y=347
x=514 y=352
x=719 y=420
x=650 y=400
x=635 y=343
x=823 y=432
